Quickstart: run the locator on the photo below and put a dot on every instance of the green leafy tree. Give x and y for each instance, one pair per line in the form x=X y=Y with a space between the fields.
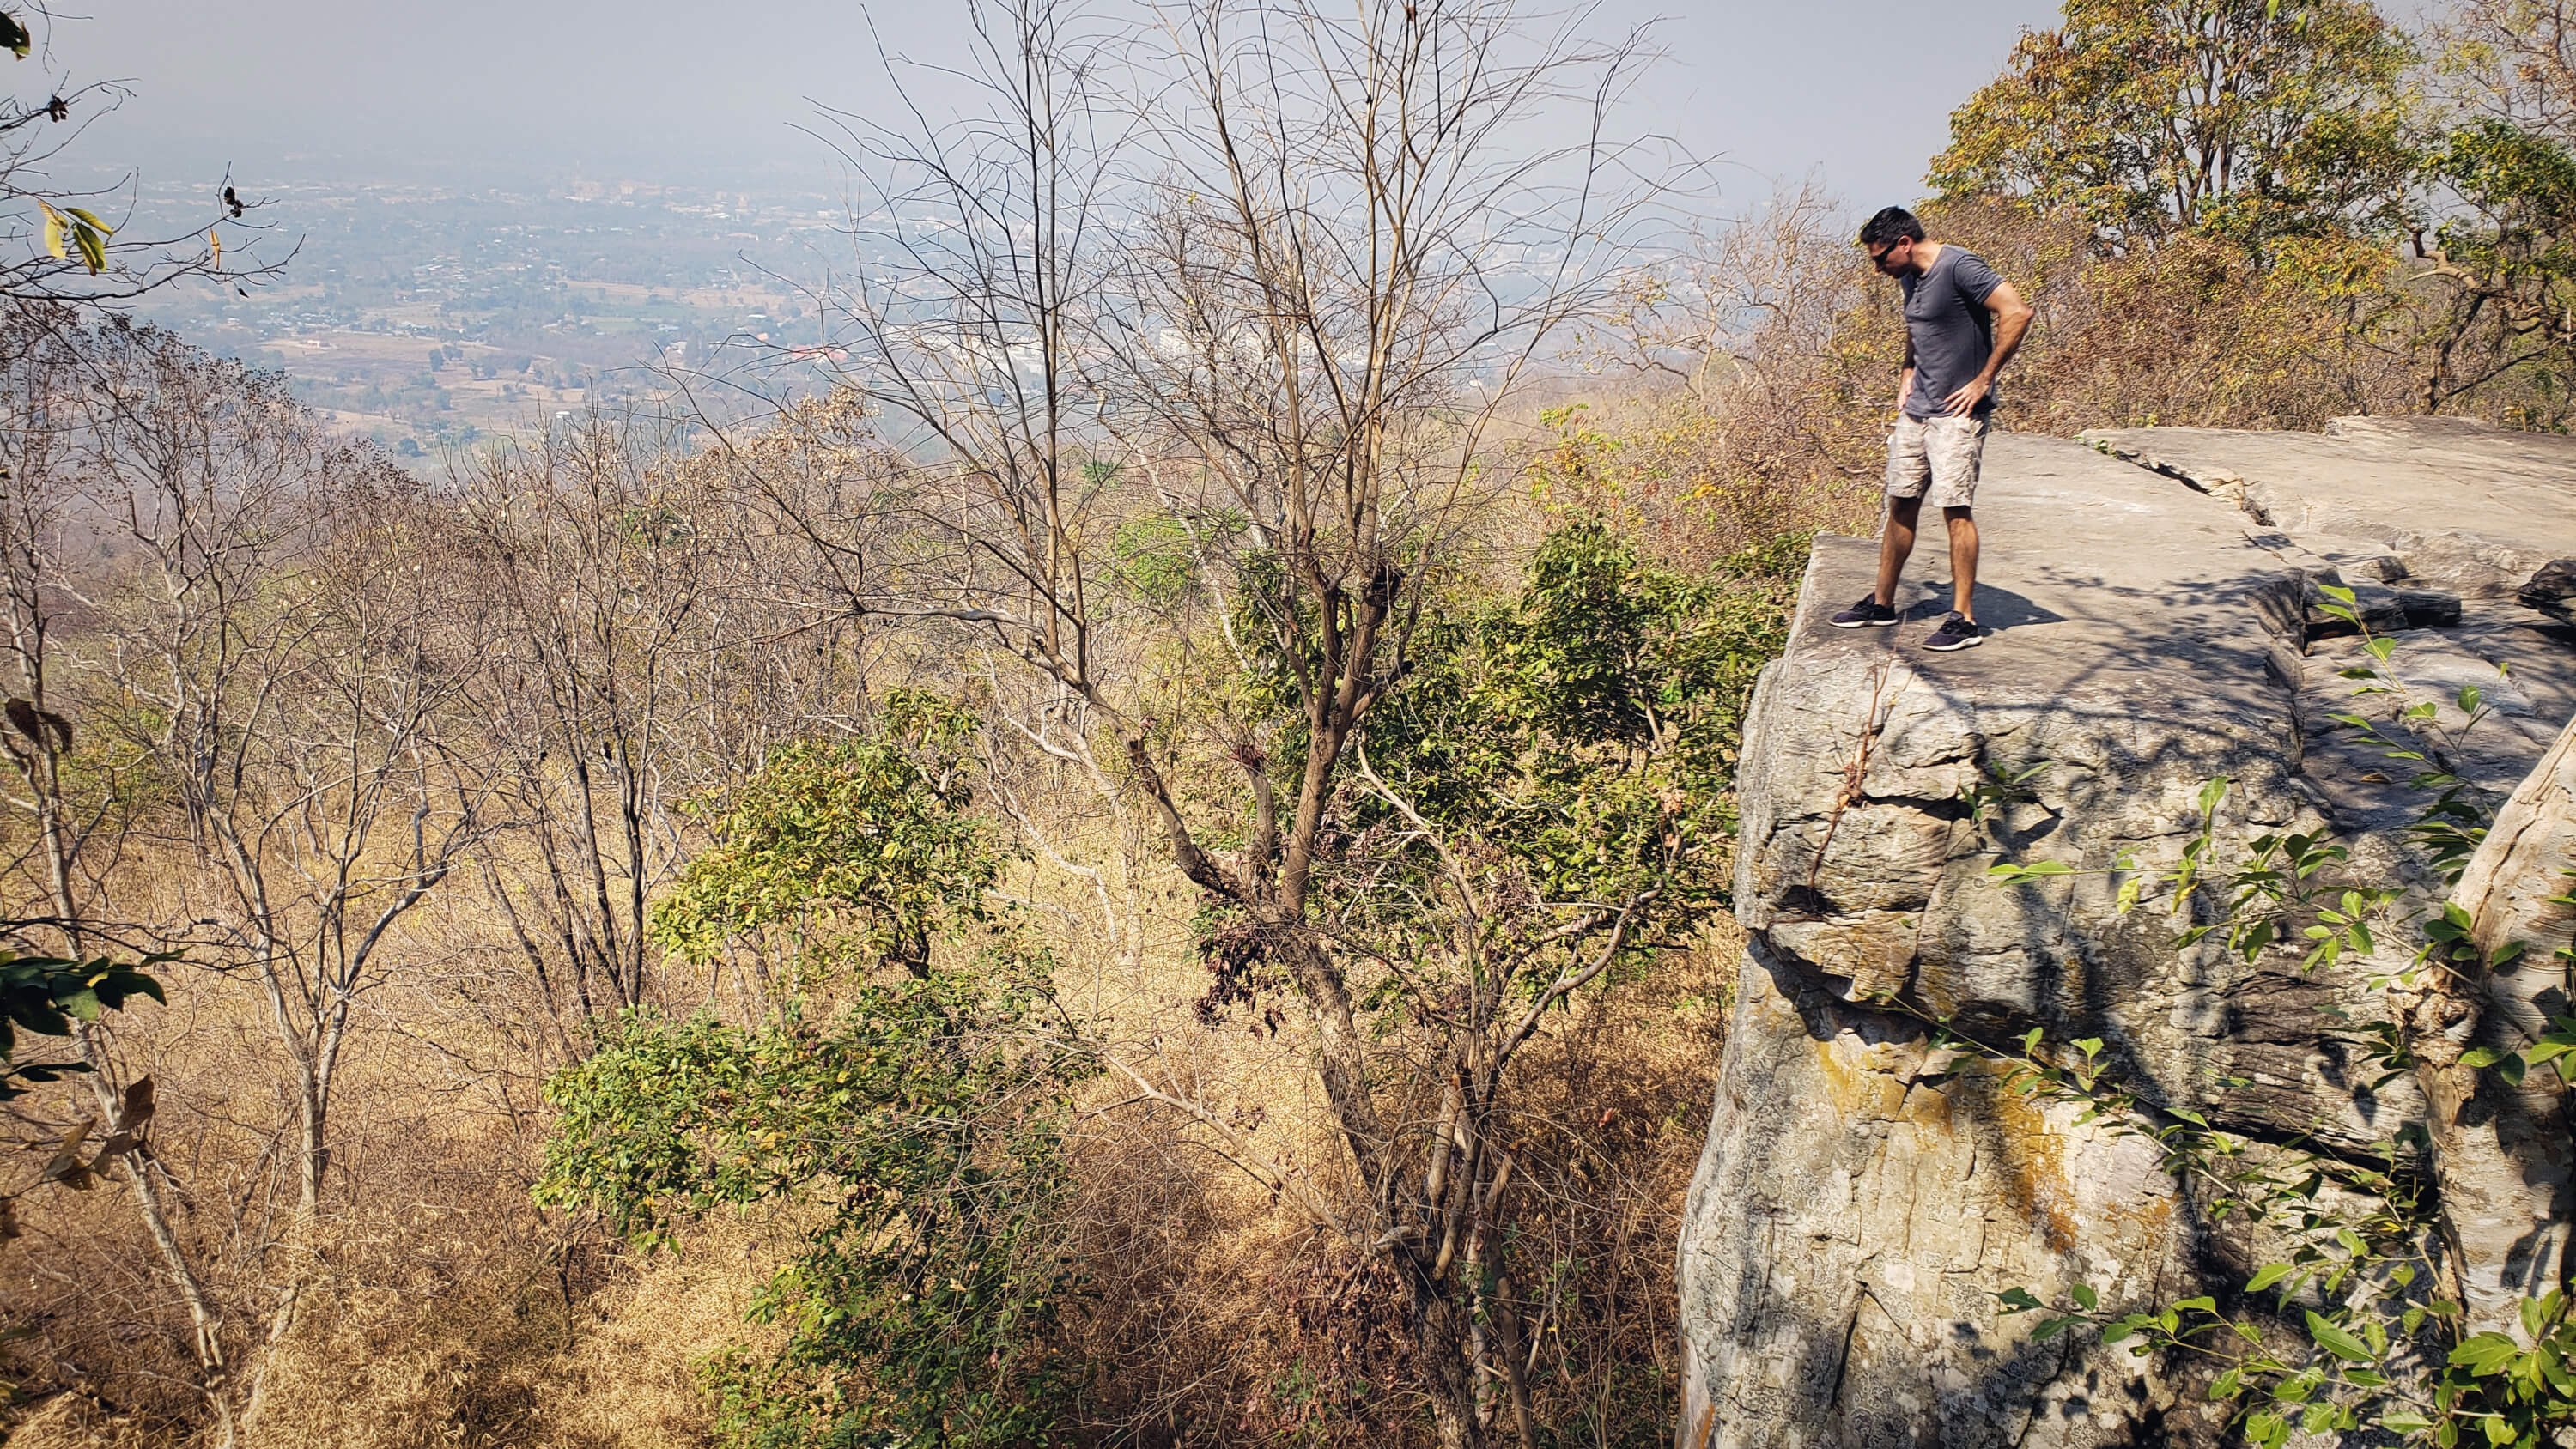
x=1589 y=725
x=2496 y=228
x=921 y=1115
x=2506 y=246
x=924 y=1121
x=843 y=852
x=1539 y=813
x=2250 y=119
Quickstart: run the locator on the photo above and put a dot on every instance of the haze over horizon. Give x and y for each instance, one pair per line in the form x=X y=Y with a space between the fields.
x=482 y=94
x=427 y=179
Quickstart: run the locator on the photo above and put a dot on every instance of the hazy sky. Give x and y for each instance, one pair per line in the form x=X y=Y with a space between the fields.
x=701 y=93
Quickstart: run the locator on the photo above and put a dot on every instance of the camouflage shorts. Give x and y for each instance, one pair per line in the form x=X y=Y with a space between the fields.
x=1936 y=459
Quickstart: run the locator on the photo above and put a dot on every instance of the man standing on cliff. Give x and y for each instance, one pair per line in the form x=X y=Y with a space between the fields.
x=1962 y=323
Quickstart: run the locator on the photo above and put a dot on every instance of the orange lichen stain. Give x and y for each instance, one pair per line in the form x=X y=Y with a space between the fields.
x=1927 y=1106
x=2155 y=1215
x=1841 y=1082
x=2035 y=1168
x=1866 y=1083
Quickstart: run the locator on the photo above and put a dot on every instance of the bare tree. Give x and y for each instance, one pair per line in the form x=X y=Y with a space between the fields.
x=56 y=246
x=663 y=618
x=1755 y=371
x=1270 y=275
x=262 y=636
x=604 y=584
x=54 y=376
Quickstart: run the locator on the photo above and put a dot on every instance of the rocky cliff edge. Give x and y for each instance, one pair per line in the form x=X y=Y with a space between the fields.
x=2156 y=600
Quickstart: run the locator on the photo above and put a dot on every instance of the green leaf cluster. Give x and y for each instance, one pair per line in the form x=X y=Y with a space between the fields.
x=925 y=1121
x=2361 y=1373
x=2245 y=119
x=2495 y=1390
x=46 y=994
x=851 y=852
x=86 y=233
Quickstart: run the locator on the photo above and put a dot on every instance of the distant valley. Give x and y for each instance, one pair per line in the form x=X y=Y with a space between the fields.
x=432 y=320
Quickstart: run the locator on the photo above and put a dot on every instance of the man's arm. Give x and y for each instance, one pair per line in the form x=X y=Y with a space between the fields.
x=1905 y=379
x=2012 y=321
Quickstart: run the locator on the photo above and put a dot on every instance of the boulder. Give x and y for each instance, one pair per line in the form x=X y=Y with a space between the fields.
x=2551 y=583
x=1864 y=1194
x=2550 y=587
x=2429 y=608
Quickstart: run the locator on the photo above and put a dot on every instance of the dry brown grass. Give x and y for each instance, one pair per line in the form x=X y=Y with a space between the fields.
x=445 y=1309
x=530 y=1350
x=516 y=1349
x=1218 y=1317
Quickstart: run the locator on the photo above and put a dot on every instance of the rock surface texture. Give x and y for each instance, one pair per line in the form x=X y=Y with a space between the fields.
x=2155 y=601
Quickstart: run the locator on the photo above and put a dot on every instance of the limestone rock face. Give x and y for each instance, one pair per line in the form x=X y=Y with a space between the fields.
x=1860 y=1200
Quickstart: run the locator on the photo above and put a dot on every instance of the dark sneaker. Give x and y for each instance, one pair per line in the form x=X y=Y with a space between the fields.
x=1868 y=613
x=1955 y=633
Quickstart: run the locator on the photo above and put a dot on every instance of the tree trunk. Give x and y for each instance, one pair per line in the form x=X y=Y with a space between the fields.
x=1440 y=1330
x=2502 y=1153
x=206 y=1325
x=107 y=1095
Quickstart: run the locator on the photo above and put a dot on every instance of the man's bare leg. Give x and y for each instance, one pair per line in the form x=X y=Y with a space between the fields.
x=1895 y=543
x=1963 y=563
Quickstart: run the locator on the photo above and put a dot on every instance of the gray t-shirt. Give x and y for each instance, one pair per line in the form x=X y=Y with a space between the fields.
x=1948 y=328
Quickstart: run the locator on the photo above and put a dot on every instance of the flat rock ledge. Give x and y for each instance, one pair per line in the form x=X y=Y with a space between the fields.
x=2154 y=595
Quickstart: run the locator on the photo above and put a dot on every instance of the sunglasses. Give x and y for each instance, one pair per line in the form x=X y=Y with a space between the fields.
x=1879 y=258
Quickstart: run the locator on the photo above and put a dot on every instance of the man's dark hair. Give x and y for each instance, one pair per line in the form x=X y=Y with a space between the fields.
x=1892 y=225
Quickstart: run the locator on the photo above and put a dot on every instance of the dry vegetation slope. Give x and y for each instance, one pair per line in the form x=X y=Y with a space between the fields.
x=314 y=699
x=498 y=694
x=398 y=770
